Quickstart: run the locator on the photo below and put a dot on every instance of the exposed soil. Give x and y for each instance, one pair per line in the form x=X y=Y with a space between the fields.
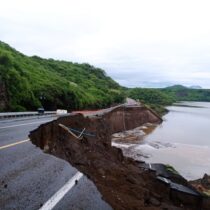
x=123 y=182
x=202 y=185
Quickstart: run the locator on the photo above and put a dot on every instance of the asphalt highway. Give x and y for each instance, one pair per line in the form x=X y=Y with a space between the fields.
x=29 y=178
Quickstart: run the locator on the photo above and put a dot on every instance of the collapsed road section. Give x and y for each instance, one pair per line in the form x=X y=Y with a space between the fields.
x=85 y=142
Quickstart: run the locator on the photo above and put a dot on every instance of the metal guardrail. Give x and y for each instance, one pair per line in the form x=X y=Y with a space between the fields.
x=5 y=115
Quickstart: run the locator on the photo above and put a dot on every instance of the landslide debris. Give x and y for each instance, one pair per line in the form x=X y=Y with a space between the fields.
x=202 y=185
x=126 y=184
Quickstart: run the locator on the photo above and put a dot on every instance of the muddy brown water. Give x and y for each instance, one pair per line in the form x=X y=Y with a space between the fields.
x=182 y=140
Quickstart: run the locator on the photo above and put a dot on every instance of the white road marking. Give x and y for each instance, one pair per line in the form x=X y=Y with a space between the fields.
x=13 y=144
x=51 y=203
x=12 y=126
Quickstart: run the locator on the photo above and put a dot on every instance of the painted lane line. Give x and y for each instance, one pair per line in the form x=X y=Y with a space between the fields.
x=13 y=144
x=12 y=126
x=51 y=203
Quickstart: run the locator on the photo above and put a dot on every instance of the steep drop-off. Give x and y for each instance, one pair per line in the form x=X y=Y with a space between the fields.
x=125 y=184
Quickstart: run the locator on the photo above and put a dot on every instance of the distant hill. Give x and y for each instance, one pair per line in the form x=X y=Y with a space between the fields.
x=158 y=98
x=195 y=87
x=27 y=83
x=182 y=93
x=176 y=87
x=184 y=87
x=154 y=98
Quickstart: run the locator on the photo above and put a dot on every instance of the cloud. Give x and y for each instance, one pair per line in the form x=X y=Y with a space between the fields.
x=138 y=43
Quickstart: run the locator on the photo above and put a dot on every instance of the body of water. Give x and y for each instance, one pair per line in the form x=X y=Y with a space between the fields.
x=182 y=140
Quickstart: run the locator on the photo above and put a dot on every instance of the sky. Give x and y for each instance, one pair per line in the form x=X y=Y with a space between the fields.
x=139 y=43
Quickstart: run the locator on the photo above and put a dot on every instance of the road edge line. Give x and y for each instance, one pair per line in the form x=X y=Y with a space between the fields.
x=52 y=202
x=14 y=144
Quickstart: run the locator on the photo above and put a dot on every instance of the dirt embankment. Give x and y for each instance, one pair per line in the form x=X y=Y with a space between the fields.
x=123 y=182
x=203 y=186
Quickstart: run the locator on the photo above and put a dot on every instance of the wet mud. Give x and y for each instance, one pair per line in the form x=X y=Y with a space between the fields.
x=126 y=184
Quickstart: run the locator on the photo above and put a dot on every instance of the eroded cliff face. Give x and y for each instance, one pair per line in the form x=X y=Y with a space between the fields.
x=203 y=186
x=123 y=182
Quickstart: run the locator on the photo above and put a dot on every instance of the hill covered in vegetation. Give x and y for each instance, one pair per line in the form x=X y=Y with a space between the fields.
x=157 y=99
x=182 y=93
x=27 y=83
x=154 y=98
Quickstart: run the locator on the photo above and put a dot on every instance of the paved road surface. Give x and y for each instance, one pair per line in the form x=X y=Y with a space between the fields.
x=29 y=178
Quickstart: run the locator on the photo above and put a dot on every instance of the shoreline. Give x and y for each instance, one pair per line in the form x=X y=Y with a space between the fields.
x=129 y=146
x=134 y=144
x=117 y=177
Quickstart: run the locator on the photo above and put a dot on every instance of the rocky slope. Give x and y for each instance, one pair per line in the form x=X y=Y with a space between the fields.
x=203 y=184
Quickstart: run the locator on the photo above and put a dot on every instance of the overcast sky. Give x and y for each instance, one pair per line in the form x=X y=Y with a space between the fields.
x=149 y=43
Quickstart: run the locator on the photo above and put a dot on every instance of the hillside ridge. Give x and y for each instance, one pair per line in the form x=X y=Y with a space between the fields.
x=27 y=83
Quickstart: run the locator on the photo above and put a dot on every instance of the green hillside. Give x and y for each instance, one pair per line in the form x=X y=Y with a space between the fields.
x=154 y=98
x=157 y=99
x=27 y=83
x=182 y=93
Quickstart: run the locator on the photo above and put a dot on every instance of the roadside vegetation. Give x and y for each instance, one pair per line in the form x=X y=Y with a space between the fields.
x=157 y=99
x=182 y=93
x=31 y=82
x=154 y=98
x=27 y=83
